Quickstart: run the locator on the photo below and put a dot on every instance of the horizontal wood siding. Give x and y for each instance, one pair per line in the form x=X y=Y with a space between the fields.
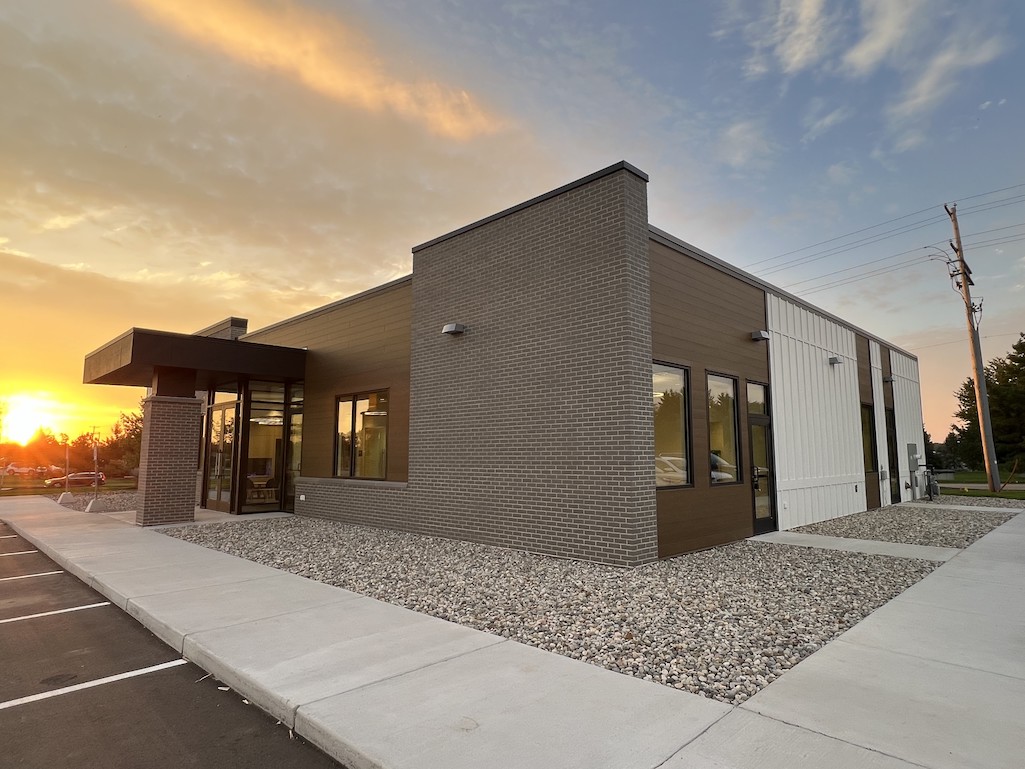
x=864 y=369
x=887 y=365
x=702 y=318
x=353 y=346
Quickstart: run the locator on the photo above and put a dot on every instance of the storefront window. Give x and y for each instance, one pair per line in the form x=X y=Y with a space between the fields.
x=722 y=429
x=669 y=400
x=362 y=441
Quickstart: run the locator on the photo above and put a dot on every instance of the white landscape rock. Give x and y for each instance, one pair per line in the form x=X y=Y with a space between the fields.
x=721 y=623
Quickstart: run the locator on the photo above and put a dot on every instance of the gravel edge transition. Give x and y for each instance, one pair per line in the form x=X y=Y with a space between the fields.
x=721 y=623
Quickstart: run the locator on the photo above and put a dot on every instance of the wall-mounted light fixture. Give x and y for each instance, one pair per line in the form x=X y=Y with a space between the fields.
x=835 y=360
x=453 y=329
x=759 y=336
x=887 y=379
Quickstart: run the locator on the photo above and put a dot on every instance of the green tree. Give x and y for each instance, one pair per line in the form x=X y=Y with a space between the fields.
x=121 y=450
x=81 y=453
x=930 y=450
x=1005 y=384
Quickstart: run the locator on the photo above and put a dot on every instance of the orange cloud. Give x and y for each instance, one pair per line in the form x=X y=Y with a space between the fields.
x=324 y=55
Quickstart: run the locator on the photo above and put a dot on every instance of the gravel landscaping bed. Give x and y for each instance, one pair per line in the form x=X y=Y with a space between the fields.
x=920 y=524
x=116 y=501
x=721 y=623
x=967 y=501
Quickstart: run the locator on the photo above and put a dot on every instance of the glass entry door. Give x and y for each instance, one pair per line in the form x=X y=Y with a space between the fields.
x=762 y=478
x=220 y=457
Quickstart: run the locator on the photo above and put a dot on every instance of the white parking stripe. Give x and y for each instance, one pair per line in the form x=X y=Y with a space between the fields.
x=8 y=536
x=90 y=684
x=26 y=576
x=20 y=552
x=58 y=611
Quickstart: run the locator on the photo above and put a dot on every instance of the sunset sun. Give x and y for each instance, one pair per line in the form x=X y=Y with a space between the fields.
x=24 y=416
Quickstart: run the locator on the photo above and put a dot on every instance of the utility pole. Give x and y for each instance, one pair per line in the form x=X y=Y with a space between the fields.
x=96 y=464
x=973 y=314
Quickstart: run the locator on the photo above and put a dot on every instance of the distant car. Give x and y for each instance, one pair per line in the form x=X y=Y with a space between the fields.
x=721 y=470
x=24 y=472
x=667 y=473
x=77 y=479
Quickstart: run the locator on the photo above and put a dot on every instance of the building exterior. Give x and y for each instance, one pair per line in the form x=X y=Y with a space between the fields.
x=560 y=377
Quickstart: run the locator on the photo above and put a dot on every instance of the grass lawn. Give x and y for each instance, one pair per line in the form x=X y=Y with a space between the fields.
x=949 y=490
x=979 y=476
x=21 y=486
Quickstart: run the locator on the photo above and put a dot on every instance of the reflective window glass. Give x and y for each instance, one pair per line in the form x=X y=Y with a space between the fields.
x=722 y=429
x=669 y=401
x=756 y=400
x=362 y=439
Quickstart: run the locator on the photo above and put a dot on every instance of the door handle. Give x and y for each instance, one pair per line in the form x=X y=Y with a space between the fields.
x=756 y=478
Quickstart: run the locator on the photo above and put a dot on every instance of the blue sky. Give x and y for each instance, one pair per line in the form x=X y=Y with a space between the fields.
x=168 y=164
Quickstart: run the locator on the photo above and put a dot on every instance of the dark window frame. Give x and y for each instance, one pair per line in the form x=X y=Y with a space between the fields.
x=685 y=428
x=736 y=427
x=354 y=399
x=747 y=402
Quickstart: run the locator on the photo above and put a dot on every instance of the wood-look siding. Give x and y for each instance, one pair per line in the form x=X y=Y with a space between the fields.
x=872 y=479
x=354 y=346
x=702 y=318
x=864 y=369
x=887 y=375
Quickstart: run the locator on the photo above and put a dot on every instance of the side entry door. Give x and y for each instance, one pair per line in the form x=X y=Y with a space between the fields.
x=763 y=479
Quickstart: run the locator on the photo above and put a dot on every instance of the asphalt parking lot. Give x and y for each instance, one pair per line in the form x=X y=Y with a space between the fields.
x=82 y=684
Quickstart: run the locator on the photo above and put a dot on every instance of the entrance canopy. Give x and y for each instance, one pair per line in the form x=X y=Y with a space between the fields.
x=181 y=364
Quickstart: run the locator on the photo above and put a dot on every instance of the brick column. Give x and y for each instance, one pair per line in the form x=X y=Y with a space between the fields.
x=170 y=454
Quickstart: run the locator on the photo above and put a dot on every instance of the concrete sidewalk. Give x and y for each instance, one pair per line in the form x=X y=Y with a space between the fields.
x=935 y=678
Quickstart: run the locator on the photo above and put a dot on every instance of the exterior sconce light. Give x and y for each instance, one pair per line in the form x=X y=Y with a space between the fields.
x=453 y=329
x=835 y=360
x=759 y=336
x=888 y=379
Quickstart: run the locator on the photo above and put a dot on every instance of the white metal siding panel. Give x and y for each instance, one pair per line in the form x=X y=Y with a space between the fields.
x=907 y=406
x=879 y=409
x=816 y=416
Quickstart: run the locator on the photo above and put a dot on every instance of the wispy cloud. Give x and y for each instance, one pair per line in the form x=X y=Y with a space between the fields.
x=745 y=146
x=817 y=121
x=929 y=45
x=940 y=76
x=793 y=35
x=326 y=56
x=841 y=173
x=886 y=27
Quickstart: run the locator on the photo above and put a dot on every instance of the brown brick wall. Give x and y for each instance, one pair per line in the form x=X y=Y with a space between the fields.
x=532 y=430
x=167 y=467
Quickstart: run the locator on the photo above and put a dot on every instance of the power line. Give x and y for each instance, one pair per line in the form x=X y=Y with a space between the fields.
x=960 y=341
x=909 y=263
x=1010 y=238
x=855 y=267
x=903 y=229
x=850 y=247
x=874 y=273
x=881 y=224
